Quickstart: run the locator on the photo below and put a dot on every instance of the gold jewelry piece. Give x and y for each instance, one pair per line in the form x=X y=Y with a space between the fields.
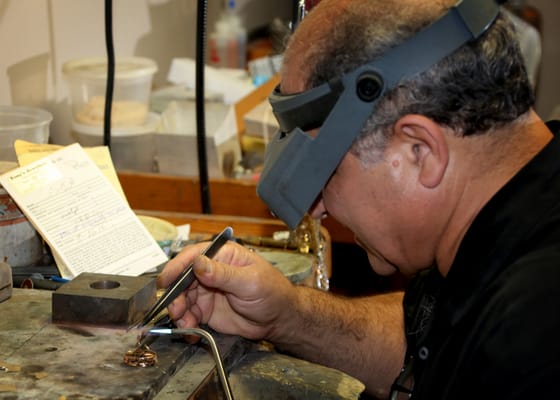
x=140 y=357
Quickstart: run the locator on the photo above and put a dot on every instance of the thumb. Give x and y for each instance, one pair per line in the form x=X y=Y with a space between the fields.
x=216 y=275
x=202 y=266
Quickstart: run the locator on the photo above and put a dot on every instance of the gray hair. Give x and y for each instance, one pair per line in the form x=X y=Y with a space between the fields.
x=481 y=86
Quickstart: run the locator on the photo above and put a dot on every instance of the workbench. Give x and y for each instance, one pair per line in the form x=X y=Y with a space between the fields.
x=42 y=360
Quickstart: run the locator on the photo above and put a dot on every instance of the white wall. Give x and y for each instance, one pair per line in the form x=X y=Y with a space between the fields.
x=38 y=36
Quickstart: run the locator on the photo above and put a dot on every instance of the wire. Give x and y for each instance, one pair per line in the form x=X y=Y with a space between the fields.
x=200 y=104
x=110 y=72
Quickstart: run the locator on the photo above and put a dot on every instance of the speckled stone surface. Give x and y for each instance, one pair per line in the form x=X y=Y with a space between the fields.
x=42 y=360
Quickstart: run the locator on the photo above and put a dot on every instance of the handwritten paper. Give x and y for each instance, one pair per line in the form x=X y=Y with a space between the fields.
x=82 y=216
x=28 y=152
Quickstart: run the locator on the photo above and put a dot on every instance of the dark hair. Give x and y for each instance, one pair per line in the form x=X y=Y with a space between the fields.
x=481 y=86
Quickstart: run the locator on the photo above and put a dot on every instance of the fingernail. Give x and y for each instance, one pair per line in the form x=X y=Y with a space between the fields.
x=203 y=265
x=180 y=323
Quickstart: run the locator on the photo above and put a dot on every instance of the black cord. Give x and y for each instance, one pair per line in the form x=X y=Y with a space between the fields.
x=200 y=100
x=110 y=72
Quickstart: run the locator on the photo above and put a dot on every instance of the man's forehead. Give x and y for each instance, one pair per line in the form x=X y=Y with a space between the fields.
x=307 y=43
x=293 y=79
x=296 y=68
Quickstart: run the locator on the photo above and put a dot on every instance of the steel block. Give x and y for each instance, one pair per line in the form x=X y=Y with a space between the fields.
x=103 y=299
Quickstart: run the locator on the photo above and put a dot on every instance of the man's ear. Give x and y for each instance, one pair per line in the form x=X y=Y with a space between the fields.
x=425 y=145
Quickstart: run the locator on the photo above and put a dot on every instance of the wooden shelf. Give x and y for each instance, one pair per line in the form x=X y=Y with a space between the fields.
x=229 y=198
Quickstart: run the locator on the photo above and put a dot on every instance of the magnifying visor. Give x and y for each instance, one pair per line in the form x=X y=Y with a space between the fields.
x=297 y=165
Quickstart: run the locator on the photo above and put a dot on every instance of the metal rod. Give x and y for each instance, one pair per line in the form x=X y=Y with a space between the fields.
x=299 y=13
x=215 y=352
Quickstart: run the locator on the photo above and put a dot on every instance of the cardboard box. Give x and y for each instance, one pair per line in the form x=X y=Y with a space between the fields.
x=176 y=142
x=260 y=122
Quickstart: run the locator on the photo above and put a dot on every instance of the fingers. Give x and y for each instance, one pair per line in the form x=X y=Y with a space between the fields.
x=184 y=313
x=178 y=307
x=231 y=293
x=231 y=253
x=214 y=274
x=177 y=264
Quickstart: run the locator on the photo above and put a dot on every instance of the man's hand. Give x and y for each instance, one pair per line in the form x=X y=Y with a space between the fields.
x=237 y=292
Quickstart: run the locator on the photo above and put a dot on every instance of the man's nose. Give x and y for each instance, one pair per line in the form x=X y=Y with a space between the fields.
x=318 y=209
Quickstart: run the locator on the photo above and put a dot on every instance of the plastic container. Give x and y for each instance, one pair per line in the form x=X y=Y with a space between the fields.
x=20 y=244
x=132 y=147
x=228 y=42
x=87 y=81
x=26 y=123
x=5 y=282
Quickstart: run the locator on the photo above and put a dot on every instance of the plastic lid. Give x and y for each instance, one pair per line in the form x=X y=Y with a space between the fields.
x=151 y=125
x=96 y=67
x=18 y=118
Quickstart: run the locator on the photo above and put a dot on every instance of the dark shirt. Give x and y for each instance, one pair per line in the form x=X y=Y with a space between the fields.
x=491 y=328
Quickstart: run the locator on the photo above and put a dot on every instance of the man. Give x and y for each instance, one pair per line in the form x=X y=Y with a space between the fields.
x=453 y=180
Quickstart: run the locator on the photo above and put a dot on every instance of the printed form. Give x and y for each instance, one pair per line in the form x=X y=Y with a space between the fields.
x=80 y=214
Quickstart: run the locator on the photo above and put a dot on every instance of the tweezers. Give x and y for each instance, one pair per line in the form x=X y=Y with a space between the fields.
x=185 y=279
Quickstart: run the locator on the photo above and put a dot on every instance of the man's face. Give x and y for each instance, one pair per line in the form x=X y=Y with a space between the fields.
x=374 y=202
x=382 y=203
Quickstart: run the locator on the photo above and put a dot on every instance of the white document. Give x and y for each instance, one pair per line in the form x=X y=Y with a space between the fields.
x=81 y=215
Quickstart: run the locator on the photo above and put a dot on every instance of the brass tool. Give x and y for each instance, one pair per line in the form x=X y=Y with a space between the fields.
x=184 y=279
